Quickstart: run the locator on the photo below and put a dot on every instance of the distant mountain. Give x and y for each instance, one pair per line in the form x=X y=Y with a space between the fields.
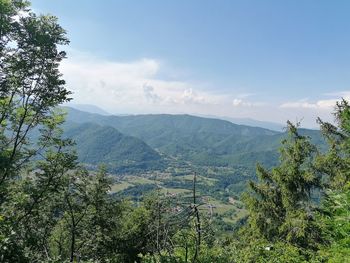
x=89 y=108
x=252 y=122
x=240 y=121
x=173 y=134
x=104 y=144
x=256 y=123
x=203 y=141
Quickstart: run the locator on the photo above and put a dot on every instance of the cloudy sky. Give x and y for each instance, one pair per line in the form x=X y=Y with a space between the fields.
x=266 y=60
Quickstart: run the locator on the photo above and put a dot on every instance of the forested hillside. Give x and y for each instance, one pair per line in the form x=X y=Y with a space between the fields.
x=104 y=144
x=203 y=141
x=174 y=188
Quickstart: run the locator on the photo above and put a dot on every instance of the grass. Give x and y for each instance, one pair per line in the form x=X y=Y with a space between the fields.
x=140 y=180
x=120 y=187
x=174 y=190
x=200 y=179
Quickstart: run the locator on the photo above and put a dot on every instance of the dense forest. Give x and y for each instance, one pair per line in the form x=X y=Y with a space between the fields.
x=53 y=208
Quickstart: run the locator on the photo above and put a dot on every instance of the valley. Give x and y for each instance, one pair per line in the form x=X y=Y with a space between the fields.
x=174 y=132
x=148 y=153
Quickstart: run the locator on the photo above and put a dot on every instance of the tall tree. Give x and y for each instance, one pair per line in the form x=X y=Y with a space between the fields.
x=30 y=82
x=280 y=203
x=334 y=165
x=31 y=86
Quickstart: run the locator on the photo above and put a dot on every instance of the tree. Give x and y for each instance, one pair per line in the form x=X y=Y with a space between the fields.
x=334 y=165
x=30 y=81
x=335 y=220
x=33 y=156
x=280 y=203
x=103 y=221
x=33 y=200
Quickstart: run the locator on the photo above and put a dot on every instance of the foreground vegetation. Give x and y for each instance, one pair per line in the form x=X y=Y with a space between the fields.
x=53 y=210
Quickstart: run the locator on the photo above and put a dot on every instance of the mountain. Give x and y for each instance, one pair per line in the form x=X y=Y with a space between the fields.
x=256 y=123
x=88 y=108
x=174 y=134
x=202 y=141
x=250 y=122
x=104 y=144
x=262 y=149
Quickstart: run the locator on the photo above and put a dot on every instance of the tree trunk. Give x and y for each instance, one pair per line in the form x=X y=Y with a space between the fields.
x=72 y=245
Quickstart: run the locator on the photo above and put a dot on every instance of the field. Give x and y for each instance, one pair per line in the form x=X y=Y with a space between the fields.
x=216 y=189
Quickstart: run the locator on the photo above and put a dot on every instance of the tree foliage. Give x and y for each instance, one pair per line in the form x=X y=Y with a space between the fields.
x=280 y=203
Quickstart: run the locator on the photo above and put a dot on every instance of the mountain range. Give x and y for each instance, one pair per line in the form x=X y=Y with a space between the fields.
x=147 y=142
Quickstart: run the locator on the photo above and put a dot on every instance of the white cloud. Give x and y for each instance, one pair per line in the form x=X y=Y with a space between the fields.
x=137 y=87
x=130 y=86
x=322 y=104
x=189 y=96
x=326 y=104
x=150 y=95
x=238 y=102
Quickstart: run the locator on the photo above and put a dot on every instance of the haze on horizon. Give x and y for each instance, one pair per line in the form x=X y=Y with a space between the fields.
x=265 y=60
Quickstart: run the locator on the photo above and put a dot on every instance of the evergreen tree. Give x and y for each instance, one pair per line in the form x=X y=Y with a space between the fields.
x=336 y=224
x=334 y=165
x=280 y=204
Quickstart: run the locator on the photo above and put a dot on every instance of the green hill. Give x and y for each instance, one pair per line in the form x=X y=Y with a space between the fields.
x=104 y=144
x=179 y=135
x=202 y=141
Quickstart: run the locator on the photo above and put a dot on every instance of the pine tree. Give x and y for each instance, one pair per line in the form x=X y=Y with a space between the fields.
x=280 y=203
x=334 y=165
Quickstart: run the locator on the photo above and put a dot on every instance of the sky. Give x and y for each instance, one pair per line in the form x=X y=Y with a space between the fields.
x=267 y=60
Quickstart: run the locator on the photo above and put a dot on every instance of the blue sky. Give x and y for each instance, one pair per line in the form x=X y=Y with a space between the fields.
x=268 y=60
